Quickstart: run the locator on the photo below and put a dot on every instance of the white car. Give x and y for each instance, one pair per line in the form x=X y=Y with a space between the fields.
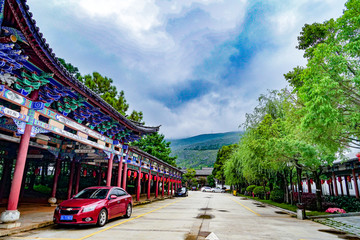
x=206 y=189
x=217 y=189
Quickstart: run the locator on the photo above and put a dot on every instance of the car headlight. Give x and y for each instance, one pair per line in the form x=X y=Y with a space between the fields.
x=89 y=209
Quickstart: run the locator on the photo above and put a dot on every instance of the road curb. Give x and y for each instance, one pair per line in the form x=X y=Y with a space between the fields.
x=351 y=214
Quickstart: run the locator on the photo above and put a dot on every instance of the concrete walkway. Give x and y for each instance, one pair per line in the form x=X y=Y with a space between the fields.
x=33 y=216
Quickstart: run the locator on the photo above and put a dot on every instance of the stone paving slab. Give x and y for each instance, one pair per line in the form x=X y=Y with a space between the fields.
x=347 y=224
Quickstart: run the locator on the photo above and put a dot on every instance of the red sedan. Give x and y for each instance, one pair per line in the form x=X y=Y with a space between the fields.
x=94 y=205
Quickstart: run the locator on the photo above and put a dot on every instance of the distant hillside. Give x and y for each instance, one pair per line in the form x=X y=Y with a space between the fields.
x=200 y=151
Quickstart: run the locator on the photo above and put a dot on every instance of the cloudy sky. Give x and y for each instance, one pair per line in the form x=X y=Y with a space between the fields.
x=192 y=66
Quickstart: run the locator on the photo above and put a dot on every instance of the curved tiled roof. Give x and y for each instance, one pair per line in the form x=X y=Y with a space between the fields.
x=45 y=58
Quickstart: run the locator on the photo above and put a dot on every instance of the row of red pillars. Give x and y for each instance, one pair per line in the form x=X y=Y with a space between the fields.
x=108 y=179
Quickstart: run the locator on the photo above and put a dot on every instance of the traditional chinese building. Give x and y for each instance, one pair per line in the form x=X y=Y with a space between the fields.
x=52 y=125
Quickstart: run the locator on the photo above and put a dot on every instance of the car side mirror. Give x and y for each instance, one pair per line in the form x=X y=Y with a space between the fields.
x=113 y=196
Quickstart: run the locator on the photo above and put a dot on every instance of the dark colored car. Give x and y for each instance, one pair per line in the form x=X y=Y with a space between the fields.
x=94 y=205
x=181 y=192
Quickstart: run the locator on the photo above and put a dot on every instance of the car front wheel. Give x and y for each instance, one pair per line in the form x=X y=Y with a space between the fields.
x=128 y=211
x=102 y=218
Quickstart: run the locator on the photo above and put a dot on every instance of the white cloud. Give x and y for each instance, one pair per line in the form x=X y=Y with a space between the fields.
x=157 y=45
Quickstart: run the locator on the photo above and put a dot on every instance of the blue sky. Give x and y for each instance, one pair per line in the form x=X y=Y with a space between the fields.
x=192 y=66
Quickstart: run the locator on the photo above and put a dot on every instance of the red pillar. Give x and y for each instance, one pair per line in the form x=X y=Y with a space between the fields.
x=109 y=170
x=157 y=186
x=149 y=185
x=138 y=191
x=124 y=176
x=71 y=178
x=162 y=186
x=56 y=177
x=172 y=188
x=120 y=171
x=168 y=192
x=335 y=184
x=78 y=175
x=355 y=184
x=19 y=169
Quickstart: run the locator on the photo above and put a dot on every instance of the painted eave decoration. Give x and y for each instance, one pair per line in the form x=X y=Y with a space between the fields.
x=27 y=63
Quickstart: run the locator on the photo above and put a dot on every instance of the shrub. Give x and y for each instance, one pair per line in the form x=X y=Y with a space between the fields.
x=259 y=191
x=277 y=195
x=335 y=210
x=349 y=204
x=309 y=201
x=250 y=188
x=42 y=189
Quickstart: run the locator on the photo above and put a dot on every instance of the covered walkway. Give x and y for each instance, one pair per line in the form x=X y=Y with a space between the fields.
x=56 y=135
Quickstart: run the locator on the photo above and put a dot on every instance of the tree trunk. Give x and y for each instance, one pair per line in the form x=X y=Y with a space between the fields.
x=286 y=188
x=318 y=190
x=298 y=171
x=292 y=188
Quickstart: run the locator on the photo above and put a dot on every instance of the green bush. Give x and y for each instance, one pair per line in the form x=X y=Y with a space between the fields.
x=42 y=189
x=250 y=188
x=277 y=195
x=349 y=204
x=259 y=191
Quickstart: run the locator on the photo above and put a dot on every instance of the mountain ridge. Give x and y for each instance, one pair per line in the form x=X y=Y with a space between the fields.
x=201 y=150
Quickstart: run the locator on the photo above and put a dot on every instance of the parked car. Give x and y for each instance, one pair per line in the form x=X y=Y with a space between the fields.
x=94 y=205
x=217 y=189
x=206 y=189
x=181 y=192
x=193 y=188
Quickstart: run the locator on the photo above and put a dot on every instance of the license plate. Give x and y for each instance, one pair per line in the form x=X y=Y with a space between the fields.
x=66 y=217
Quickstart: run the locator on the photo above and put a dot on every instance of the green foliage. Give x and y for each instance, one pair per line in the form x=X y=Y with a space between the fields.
x=349 y=204
x=136 y=116
x=195 y=159
x=156 y=145
x=260 y=190
x=211 y=180
x=277 y=195
x=223 y=155
x=42 y=189
x=103 y=86
x=72 y=69
x=189 y=177
x=201 y=151
x=251 y=188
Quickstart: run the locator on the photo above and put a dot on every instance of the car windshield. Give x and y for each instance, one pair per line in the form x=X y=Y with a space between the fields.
x=181 y=189
x=92 y=193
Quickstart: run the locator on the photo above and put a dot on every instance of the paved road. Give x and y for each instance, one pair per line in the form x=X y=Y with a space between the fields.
x=195 y=217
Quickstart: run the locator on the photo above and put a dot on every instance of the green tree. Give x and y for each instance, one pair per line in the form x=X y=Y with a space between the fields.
x=211 y=180
x=136 y=116
x=72 y=69
x=156 y=145
x=189 y=177
x=331 y=85
x=103 y=86
x=223 y=155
